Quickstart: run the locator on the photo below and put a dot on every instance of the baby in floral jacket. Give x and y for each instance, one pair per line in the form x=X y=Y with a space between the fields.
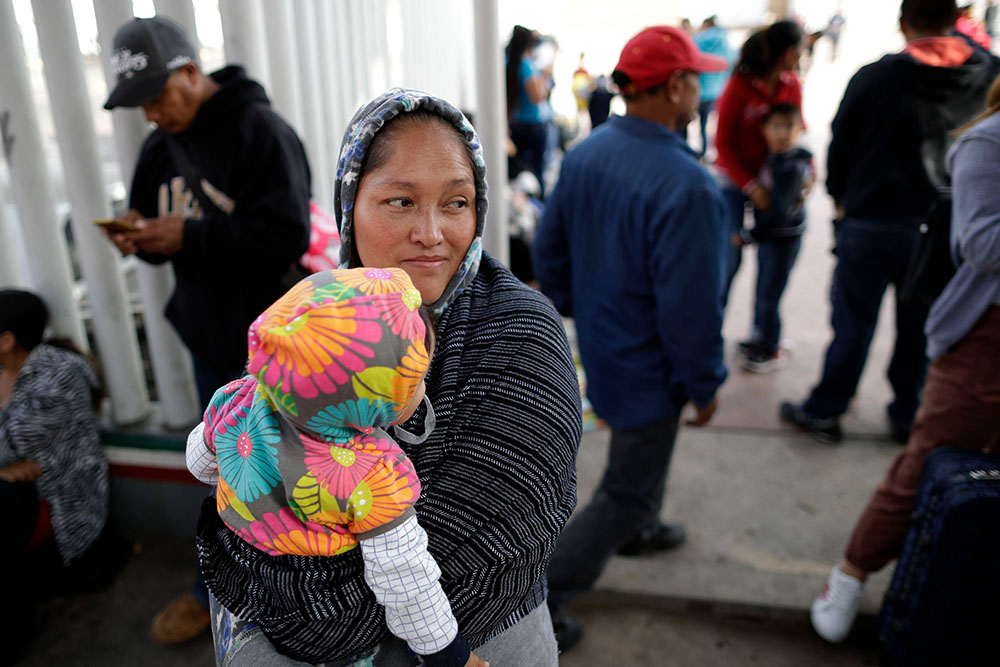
x=304 y=472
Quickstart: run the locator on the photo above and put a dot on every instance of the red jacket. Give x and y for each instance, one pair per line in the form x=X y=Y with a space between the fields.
x=739 y=137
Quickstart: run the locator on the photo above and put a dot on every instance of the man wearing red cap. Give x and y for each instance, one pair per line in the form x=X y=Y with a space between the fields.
x=632 y=246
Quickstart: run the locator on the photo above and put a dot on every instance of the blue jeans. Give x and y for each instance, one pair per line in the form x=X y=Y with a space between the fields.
x=704 y=108
x=735 y=210
x=532 y=141
x=871 y=255
x=628 y=498
x=774 y=262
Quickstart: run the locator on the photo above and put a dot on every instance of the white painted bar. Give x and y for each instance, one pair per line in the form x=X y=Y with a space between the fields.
x=171 y=362
x=491 y=124
x=32 y=190
x=314 y=135
x=114 y=329
x=243 y=33
x=286 y=88
x=180 y=12
x=330 y=85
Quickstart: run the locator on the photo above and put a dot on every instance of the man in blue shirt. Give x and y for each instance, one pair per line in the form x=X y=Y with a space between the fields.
x=632 y=247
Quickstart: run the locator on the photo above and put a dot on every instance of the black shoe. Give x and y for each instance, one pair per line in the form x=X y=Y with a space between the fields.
x=568 y=631
x=657 y=537
x=825 y=430
x=747 y=347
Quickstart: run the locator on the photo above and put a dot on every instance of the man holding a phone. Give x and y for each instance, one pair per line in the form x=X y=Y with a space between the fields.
x=221 y=191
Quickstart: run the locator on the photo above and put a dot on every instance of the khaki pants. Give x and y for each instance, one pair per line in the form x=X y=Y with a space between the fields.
x=960 y=408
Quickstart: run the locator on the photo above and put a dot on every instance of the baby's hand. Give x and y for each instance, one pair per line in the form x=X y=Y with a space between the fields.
x=476 y=661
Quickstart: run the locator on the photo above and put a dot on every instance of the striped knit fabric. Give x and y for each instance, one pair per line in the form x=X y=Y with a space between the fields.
x=50 y=420
x=498 y=480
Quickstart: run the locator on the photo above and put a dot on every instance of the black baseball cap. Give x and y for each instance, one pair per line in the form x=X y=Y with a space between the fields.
x=144 y=53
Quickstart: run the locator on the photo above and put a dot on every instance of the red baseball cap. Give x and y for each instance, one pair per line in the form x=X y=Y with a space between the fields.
x=654 y=54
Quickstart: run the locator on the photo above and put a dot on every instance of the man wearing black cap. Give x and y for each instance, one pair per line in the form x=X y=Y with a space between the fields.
x=632 y=247
x=221 y=191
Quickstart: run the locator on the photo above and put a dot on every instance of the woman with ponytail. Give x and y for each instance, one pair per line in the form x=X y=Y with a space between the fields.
x=528 y=109
x=763 y=77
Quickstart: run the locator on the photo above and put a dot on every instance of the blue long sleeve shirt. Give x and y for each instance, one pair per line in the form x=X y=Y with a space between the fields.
x=631 y=246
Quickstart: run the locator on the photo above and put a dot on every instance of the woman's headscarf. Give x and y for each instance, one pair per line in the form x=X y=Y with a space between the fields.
x=368 y=121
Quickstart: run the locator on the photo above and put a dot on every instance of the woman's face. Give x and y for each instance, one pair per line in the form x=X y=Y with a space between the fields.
x=417 y=211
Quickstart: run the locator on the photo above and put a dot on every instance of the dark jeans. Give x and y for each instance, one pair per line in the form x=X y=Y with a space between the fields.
x=774 y=262
x=531 y=140
x=735 y=210
x=19 y=503
x=704 y=108
x=871 y=255
x=208 y=377
x=628 y=498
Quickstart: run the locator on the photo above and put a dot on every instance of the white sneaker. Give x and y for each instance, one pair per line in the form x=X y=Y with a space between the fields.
x=833 y=611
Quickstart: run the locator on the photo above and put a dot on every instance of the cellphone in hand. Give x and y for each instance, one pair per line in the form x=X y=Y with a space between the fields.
x=115 y=225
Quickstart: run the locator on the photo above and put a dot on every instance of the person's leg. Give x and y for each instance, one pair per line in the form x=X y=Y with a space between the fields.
x=629 y=495
x=859 y=281
x=528 y=643
x=704 y=108
x=908 y=366
x=958 y=411
x=736 y=206
x=17 y=522
x=774 y=262
x=531 y=140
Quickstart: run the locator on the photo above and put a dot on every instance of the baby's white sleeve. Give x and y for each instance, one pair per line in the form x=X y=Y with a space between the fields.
x=404 y=577
x=200 y=459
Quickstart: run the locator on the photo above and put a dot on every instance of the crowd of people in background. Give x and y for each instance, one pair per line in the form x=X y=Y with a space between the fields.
x=378 y=401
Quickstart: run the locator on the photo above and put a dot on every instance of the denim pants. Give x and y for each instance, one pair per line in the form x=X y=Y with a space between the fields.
x=628 y=498
x=704 y=108
x=532 y=140
x=774 y=262
x=735 y=210
x=871 y=255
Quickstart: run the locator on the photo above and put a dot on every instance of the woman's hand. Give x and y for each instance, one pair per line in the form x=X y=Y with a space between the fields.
x=761 y=198
x=24 y=470
x=476 y=661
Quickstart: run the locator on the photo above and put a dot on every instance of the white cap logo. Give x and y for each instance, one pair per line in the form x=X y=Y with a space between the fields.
x=124 y=63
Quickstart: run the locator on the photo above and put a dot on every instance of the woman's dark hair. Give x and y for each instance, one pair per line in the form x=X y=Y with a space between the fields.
x=929 y=15
x=430 y=329
x=25 y=315
x=764 y=49
x=521 y=40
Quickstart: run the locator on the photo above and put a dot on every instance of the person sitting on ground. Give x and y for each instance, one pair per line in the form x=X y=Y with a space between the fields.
x=303 y=467
x=787 y=173
x=494 y=443
x=959 y=406
x=51 y=461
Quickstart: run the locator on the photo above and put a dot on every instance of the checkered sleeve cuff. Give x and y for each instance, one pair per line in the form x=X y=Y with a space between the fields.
x=200 y=459
x=404 y=577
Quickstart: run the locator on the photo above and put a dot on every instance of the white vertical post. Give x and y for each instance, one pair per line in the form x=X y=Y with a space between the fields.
x=170 y=359
x=359 y=59
x=243 y=33
x=10 y=273
x=312 y=98
x=32 y=189
x=180 y=12
x=330 y=84
x=286 y=89
x=114 y=328
x=490 y=120
x=347 y=94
